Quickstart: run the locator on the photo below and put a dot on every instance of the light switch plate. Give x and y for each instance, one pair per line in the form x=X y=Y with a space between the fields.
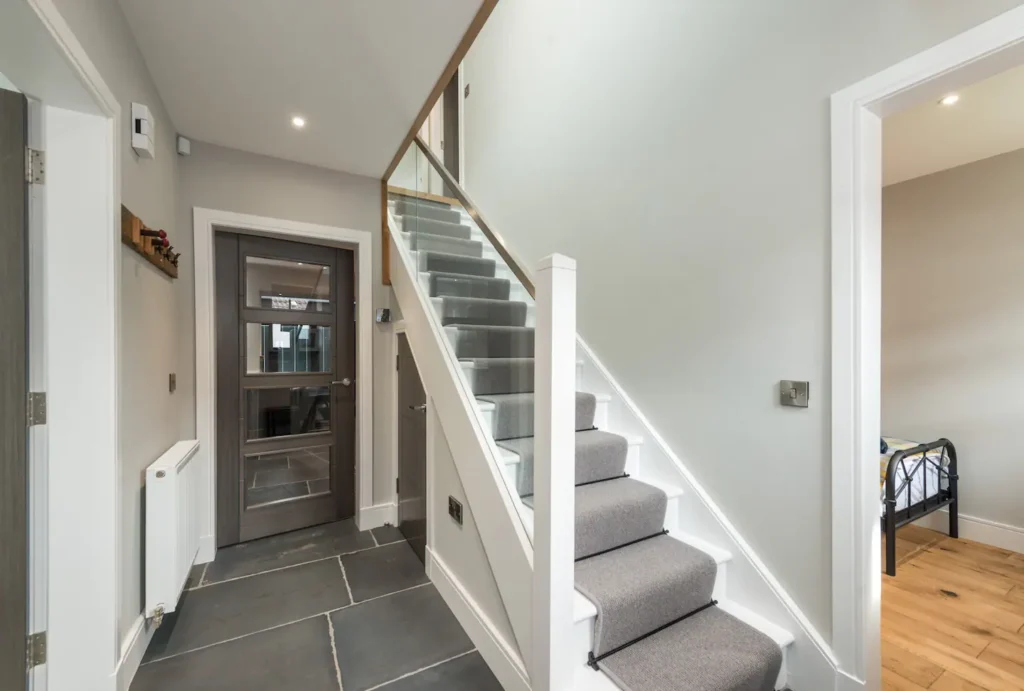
x=795 y=394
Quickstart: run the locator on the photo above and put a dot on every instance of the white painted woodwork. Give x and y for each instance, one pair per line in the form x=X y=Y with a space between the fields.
x=554 y=478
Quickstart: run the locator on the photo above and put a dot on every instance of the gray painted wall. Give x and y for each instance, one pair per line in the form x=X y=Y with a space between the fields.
x=149 y=414
x=460 y=547
x=680 y=152
x=228 y=180
x=952 y=327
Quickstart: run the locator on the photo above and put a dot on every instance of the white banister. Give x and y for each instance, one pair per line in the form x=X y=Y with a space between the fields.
x=554 y=475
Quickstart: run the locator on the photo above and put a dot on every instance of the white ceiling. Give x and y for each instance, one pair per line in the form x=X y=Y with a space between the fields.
x=987 y=120
x=234 y=73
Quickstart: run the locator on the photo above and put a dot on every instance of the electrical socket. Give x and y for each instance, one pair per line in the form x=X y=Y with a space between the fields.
x=455 y=509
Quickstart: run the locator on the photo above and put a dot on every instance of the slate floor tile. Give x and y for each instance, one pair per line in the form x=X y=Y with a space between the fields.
x=387 y=534
x=383 y=639
x=466 y=673
x=297 y=547
x=383 y=570
x=195 y=576
x=216 y=613
x=297 y=656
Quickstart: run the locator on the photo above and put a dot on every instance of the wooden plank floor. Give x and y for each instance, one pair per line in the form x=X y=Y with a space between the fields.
x=953 y=616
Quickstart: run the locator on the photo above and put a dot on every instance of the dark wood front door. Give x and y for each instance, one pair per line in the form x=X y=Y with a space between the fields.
x=13 y=390
x=285 y=386
x=412 y=451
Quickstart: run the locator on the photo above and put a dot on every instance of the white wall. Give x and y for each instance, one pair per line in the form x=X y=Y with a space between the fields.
x=460 y=547
x=227 y=180
x=952 y=326
x=149 y=350
x=679 y=151
x=6 y=83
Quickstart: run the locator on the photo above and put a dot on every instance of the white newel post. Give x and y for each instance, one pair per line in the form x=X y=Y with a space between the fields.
x=554 y=475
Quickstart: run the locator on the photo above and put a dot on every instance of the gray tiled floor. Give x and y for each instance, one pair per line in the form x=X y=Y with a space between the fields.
x=318 y=610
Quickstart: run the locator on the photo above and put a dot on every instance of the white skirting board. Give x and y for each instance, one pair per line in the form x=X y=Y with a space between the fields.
x=500 y=656
x=132 y=651
x=978 y=529
x=376 y=516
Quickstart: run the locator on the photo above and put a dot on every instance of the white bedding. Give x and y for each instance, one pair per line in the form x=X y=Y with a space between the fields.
x=921 y=472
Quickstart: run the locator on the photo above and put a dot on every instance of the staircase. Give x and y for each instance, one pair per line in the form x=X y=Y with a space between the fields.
x=651 y=612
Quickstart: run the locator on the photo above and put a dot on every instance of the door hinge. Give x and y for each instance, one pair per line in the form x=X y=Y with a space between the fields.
x=35 y=166
x=398 y=358
x=36 y=408
x=35 y=646
x=397 y=485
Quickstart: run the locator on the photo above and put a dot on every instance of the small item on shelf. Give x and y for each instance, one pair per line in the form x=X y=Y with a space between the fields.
x=150 y=243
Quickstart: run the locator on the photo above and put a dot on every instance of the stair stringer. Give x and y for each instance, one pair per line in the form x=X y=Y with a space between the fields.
x=810 y=662
x=477 y=459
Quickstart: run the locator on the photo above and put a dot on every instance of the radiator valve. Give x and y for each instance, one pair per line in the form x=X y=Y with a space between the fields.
x=157 y=617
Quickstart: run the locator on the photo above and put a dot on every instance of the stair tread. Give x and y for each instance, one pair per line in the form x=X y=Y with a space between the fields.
x=490 y=327
x=600 y=455
x=781 y=636
x=496 y=361
x=427 y=242
x=411 y=223
x=710 y=651
x=479 y=301
x=514 y=413
x=614 y=513
x=433 y=260
x=644 y=586
x=472 y=278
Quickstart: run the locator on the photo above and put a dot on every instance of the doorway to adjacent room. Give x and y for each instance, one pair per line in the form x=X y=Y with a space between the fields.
x=286 y=404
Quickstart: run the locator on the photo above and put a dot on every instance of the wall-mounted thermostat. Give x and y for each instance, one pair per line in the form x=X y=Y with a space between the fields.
x=143 y=131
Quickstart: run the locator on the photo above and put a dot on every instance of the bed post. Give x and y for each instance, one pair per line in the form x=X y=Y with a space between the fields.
x=890 y=516
x=954 y=505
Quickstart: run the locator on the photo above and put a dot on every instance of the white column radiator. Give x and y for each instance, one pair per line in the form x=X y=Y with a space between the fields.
x=173 y=495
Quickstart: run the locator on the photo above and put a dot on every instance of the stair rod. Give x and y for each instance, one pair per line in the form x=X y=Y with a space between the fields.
x=606 y=551
x=592 y=661
x=584 y=484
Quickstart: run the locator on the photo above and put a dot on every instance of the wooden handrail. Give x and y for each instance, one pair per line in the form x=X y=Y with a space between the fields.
x=474 y=212
x=486 y=7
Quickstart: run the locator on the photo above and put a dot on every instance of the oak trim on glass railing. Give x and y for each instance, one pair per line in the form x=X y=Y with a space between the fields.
x=486 y=7
x=474 y=212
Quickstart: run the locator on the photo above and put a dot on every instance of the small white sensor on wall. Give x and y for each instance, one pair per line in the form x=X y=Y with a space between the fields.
x=184 y=146
x=143 y=131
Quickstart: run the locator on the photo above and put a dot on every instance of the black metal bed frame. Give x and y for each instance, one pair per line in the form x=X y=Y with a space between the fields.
x=918 y=456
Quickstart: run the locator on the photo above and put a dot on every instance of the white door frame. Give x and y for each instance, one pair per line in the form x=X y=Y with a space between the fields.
x=205 y=222
x=74 y=308
x=397 y=328
x=857 y=113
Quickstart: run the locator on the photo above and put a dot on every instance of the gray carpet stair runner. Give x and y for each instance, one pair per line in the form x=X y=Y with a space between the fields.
x=657 y=628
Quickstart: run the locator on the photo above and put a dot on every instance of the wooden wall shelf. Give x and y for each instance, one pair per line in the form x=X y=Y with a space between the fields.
x=131 y=226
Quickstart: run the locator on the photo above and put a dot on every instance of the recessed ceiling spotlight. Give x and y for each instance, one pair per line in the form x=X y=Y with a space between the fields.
x=950 y=100
x=298 y=122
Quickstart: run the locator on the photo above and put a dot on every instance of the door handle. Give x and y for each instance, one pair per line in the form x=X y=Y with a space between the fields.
x=344 y=382
x=421 y=407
